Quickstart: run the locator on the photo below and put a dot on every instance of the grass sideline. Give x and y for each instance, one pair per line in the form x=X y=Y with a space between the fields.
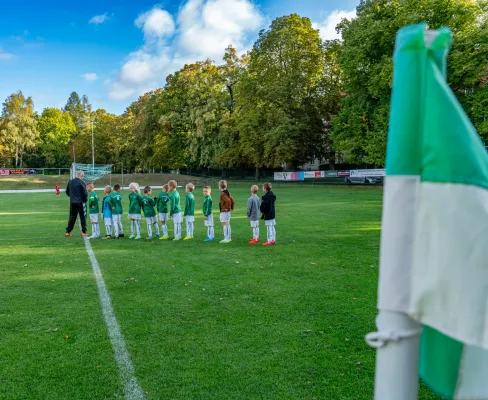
x=200 y=320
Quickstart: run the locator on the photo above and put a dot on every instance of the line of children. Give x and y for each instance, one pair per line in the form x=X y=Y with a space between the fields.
x=168 y=206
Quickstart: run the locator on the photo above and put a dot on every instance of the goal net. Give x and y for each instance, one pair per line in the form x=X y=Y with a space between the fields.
x=92 y=172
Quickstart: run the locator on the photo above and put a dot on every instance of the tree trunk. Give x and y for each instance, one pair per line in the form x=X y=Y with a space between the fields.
x=332 y=159
x=256 y=174
x=16 y=155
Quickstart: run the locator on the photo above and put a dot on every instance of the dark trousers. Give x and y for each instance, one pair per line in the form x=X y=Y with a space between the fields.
x=76 y=209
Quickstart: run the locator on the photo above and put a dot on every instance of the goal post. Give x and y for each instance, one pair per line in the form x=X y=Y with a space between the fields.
x=93 y=172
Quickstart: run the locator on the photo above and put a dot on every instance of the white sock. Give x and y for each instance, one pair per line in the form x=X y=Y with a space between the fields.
x=108 y=228
x=177 y=230
x=225 y=232
x=255 y=232
x=132 y=223
x=165 y=229
x=156 y=228
x=97 y=229
x=211 y=233
x=149 y=230
x=121 y=229
x=190 y=225
x=188 y=229
x=116 y=227
x=229 y=230
x=269 y=233
x=138 y=227
x=274 y=234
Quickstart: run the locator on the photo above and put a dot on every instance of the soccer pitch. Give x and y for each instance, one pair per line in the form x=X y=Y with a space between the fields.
x=200 y=320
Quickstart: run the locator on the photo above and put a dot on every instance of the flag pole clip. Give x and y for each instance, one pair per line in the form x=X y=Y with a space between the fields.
x=380 y=339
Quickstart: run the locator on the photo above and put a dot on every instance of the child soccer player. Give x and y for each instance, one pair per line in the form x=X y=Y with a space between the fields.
x=93 y=210
x=148 y=205
x=162 y=203
x=57 y=189
x=226 y=205
x=135 y=203
x=107 y=212
x=116 y=202
x=207 y=214
x=189 y=211
x=253 y=205
x=175 y=208
x=268 y=210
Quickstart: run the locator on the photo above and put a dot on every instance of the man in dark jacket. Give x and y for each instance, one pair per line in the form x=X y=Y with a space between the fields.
x=78 y=196
x=269 y=214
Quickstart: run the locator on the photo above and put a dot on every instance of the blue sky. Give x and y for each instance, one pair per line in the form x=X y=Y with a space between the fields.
x=113 y=51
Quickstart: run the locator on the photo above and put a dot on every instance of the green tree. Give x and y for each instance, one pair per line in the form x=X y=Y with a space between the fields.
x=361 y=126
x=55 y=128
x=281 y=121
x=18 y=131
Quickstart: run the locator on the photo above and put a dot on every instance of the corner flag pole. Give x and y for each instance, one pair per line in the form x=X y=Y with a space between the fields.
x=397 y=355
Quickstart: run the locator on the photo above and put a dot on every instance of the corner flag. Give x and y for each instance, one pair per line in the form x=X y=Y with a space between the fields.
x=434 y=244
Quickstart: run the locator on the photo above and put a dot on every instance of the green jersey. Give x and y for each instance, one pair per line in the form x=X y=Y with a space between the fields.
x=148 y=204
x=135 y=202
x=207 y=206
x=190 y=205
x=174 y=207
x=93 y=203
x=162 y=201
x=116 y=203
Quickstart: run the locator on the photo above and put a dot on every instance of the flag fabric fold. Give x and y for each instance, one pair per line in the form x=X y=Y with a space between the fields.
x=434 y=245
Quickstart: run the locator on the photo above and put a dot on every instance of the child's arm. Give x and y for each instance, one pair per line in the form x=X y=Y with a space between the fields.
x=249 y=208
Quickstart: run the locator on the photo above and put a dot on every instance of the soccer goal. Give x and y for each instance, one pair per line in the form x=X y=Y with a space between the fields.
x=93 y=172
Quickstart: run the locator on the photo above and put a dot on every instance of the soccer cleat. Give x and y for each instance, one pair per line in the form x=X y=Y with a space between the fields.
x=121 y=235
x=149 y=238
x=188 y=238
x=107 y=237
x=131 y=237
x=273 y=242
x=115 y=237
x=253 y=241
x=267 y=244
x=176 y=238
x=67 y=234
x=209 y=240
x=157 y=236
x=137 y=237
x=164 y=238
x=225 y=241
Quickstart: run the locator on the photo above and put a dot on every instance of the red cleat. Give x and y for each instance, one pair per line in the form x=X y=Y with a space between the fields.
x=268 y=244
x=273 y=242
x=253 y=241
x=68 y=234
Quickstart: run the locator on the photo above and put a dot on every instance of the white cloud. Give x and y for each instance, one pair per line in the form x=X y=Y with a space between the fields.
x=89 y=76
x=156 y=24
x=203 y=29
x=6 y=56
x=328 y=26
x=99 y=19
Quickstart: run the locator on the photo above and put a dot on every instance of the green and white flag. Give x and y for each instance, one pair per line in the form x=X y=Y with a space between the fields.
x=434 y=244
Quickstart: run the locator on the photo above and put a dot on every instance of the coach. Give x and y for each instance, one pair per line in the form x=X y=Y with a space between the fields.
x=76 y=190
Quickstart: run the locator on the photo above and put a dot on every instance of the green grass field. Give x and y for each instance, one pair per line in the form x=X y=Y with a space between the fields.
x=200 y=320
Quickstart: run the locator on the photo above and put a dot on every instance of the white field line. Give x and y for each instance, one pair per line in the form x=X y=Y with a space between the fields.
x=132 y=389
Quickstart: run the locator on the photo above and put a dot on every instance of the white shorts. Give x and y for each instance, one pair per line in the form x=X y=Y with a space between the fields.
x=163 y=217
x=151 y=220
x=225 y=216
x=178 y=218
x=271 y=222
x=255 y=224
x=190 y=218
x=94 y=218
x=107 y=221
x=134 y=216
x=209 y=221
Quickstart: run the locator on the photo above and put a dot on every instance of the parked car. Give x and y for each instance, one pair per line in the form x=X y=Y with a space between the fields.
x=363 y=180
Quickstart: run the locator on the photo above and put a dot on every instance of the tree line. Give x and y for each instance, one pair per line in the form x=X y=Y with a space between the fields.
x=291 y=99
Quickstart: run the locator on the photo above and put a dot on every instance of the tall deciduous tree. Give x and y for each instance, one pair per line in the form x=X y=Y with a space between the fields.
x=361 y=126
x=18 y=128
x=55 y=128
